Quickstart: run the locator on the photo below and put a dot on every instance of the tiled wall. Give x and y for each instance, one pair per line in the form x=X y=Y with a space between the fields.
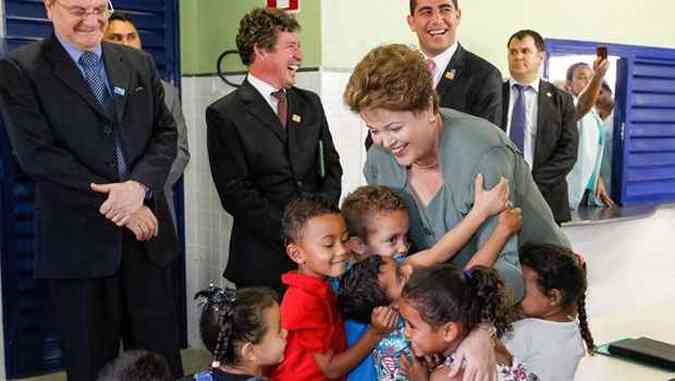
x=207 y=225
x=348 y=130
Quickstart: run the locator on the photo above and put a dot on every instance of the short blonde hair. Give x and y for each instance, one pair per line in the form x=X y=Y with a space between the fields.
x=392 y=77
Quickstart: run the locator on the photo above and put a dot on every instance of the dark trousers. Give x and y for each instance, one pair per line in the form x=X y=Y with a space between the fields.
x=137 y=305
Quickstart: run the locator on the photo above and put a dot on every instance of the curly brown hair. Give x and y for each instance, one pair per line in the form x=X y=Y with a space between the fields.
x=364 y=203
x=259 y=28
x=392 y=77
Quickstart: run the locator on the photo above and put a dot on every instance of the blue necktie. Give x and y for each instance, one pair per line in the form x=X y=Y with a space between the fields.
x=90 y=63
x=518 y=118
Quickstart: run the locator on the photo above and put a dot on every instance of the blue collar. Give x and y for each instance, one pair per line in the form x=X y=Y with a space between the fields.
x=74 y=52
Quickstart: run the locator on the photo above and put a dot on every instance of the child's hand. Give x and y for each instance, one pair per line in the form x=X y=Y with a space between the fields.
x=510 y=221
x=416 y=370
x=383 y=320
x=492 y=202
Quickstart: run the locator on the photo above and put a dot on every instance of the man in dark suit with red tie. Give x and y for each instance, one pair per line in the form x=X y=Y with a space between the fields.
x=541 y=120
x=464 y=81
x=88 y=123
x=268 y=143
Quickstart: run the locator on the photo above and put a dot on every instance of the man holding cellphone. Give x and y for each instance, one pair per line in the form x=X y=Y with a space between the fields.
x=586 y=186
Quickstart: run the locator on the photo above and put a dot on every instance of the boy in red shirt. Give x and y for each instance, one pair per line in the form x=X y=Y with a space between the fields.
x=316 y=349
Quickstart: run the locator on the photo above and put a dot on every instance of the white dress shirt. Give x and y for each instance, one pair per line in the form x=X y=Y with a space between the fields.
x=531 y=106
x=265 y=89
x=441 y=61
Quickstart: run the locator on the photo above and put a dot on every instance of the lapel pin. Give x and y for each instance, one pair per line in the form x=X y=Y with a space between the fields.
x=118 y=91
x=549 y=94
x=450 y=74
x=296 y=118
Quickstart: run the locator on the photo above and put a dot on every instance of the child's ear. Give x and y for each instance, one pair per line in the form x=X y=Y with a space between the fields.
x=450 y=331
x=555 y=297
x=296 y=253
x=247 y=352
x=356 y=245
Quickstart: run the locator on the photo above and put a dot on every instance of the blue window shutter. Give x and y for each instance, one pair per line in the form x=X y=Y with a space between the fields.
x=31 y=340
x=646 y=99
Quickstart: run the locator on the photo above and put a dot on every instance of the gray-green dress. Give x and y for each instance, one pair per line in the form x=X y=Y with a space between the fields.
x=470 y=146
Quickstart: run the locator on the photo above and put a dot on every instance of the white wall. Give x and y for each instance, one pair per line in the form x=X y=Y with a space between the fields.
x=352 y=27
x=631 y=264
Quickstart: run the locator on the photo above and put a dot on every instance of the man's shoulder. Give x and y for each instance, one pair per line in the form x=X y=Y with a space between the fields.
x=479 y=63
x=551 y=90
x=29 y=54
x=470 y=134
x=304 y=94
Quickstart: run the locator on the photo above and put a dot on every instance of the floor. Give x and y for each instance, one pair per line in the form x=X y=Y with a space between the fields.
x=193 y=360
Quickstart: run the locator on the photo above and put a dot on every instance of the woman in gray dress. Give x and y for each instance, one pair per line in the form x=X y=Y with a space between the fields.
x=433 y=155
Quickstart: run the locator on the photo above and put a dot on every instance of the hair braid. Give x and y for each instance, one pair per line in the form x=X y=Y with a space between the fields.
x=583 y=324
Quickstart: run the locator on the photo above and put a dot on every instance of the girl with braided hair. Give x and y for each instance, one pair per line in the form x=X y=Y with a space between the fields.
x=441 y=304
x=242 y=329
x=551 y=338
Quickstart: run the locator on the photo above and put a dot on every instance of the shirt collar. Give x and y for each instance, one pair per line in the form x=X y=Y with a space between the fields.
x=534 y=85
x=442 y=60
x=264 y=88
x=310 y=284
x=74 y=52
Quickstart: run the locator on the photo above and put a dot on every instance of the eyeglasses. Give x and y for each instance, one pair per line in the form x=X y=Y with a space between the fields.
x=103 y=11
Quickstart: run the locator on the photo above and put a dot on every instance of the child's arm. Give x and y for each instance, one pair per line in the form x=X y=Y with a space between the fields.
x=508 y=224
x=336 y=365
x=486 y=204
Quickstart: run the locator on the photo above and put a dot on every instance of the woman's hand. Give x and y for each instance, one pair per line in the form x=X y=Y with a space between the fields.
x=492 y=202
x=477 y=356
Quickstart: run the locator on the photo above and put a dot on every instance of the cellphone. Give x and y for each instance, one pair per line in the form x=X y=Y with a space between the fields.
x=601 y=52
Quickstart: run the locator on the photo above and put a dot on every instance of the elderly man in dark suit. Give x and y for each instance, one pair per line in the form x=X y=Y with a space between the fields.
x=88 y=123
x=268 y=143
x=541 y=120
x=464 y=81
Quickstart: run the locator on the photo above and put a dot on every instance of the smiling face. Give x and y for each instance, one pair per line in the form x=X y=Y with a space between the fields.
x=410 y=137
x=321 y=251
x=83 y=32
x=278 y=66
x=424 y=338
x=435 y=23
x=387 y=234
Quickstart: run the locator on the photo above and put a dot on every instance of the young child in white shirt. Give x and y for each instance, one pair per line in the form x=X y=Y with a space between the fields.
x=551 y=339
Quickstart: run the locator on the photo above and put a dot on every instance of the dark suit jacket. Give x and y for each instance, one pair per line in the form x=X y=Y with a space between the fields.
x=469 y=84
x=258 y=167
x=472 y=85
x=64 y=140
x=556 y=145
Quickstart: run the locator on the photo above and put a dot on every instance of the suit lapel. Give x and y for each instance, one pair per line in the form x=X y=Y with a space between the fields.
x=258 y=107
x=66 y=70
x=453 y=71
x=506 y=97
x=544 y=107
x=119 y=77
